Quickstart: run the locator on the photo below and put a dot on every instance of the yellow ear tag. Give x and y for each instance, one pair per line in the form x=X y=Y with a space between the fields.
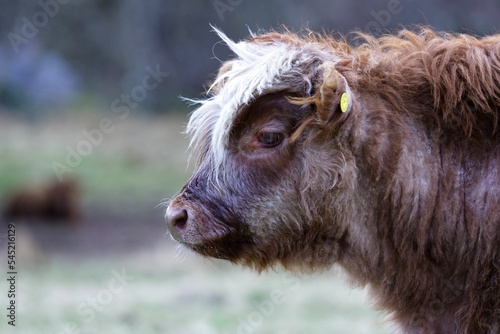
x=344 y=102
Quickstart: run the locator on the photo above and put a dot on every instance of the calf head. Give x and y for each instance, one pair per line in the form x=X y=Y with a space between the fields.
x=274 y=179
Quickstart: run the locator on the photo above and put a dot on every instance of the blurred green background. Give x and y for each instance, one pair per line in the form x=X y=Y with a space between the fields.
x=103 y=78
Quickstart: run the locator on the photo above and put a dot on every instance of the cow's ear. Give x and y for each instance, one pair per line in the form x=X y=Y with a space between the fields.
x=332 y=95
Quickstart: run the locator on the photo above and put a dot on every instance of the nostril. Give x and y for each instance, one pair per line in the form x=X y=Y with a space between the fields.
x=177 y=218
x=180 y=220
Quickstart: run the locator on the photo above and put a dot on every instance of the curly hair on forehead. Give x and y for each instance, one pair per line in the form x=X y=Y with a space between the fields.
x=452 y=80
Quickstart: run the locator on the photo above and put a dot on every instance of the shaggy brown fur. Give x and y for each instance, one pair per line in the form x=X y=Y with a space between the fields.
x=55 y=201
x=402 y=190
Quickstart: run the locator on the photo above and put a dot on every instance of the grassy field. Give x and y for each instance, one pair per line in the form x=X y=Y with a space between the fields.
x=117 y=272
x=159 y=294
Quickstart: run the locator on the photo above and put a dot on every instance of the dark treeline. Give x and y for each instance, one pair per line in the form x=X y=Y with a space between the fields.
x=59 y=52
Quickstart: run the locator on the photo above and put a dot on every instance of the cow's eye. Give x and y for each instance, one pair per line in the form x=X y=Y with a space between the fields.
x=270 y=139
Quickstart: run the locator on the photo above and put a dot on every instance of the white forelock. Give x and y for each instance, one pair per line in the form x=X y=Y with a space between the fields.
x=257 y=69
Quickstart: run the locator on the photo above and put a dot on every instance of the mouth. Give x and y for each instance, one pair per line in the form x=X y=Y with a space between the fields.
x=228 y=247
x=208 y=239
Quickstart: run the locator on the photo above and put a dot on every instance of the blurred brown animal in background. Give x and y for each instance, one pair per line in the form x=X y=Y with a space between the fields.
x=383 y=158
x=56 y=201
